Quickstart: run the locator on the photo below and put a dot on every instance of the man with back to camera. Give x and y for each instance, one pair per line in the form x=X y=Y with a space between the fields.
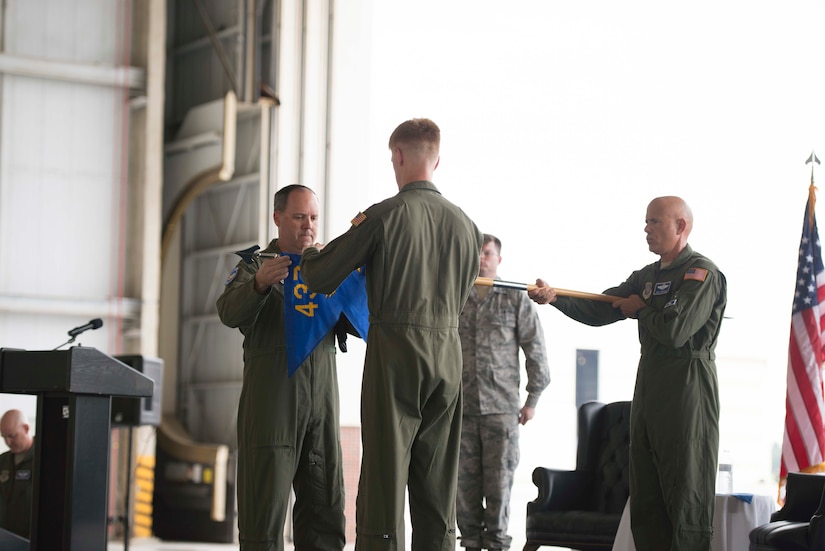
x=288 y=427
x=679 y=303
x=421 y=254
x=495 y=324
x=16 y=473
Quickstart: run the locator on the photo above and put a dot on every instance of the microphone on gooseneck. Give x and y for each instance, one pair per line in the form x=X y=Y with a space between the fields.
x=96 y=323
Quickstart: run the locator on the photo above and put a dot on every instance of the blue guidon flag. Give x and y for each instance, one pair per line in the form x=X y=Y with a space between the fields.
x=309 y=316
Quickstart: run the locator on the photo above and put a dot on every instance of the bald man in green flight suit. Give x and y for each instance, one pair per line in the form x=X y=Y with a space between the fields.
x=679 y=303
x=421 y=254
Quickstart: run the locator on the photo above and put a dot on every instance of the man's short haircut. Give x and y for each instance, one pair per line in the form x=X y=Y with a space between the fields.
x=282 y=196
x=490 y=237
x=421 y=133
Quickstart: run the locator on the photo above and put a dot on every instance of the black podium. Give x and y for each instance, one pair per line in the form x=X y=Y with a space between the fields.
x=71 y=460
x=9 y=541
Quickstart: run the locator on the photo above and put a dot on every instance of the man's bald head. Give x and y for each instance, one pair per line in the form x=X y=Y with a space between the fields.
x=676 y=208
x=14 y=427
x=668 y=224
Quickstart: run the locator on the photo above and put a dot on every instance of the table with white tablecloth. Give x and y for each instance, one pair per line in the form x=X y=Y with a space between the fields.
x=735 y=516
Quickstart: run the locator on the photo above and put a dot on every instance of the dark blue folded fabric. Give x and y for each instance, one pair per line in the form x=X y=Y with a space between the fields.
x=747 y=498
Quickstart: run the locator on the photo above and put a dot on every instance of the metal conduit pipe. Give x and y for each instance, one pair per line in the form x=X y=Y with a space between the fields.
x=206 y=179
x=328 y=123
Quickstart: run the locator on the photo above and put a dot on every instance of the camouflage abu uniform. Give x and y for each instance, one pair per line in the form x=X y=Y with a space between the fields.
x=674 y=421
x=492 y=330
x=421 y=254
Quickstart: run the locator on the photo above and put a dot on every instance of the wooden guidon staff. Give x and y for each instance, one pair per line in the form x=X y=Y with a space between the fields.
x=490 y=282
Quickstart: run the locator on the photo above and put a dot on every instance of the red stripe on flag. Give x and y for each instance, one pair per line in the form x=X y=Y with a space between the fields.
x=792 y=439
x=795 y=410
x=804 y=370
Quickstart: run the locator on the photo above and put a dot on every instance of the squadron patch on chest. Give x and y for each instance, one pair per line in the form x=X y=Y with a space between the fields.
x=696 y=274
x=648 y=290
x=662 y=288
x=360 y=217
x=4 y=476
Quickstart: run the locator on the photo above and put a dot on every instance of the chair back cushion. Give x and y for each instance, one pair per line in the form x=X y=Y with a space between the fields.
x=803 y=492
x=604 y=451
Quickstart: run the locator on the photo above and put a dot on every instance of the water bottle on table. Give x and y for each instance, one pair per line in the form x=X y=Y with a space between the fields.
x=724 y=476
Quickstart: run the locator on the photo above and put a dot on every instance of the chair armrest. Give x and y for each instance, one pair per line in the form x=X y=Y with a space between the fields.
x=816 y=528
x=560 y=490
x=816 y=532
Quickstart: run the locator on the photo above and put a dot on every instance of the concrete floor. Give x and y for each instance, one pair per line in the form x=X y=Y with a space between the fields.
x=523 y=491
x=153 y=544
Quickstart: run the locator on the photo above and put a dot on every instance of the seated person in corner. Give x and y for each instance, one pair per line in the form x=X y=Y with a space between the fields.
x=16 y=473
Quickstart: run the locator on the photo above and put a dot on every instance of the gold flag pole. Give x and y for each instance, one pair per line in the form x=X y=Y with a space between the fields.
x=490 y=282
x=812 y=189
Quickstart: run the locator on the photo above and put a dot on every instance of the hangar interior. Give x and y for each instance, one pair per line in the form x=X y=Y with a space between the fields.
x=141 y=142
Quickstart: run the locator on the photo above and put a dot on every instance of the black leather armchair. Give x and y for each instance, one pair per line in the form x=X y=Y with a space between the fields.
x=581 y=509
x=800 y=524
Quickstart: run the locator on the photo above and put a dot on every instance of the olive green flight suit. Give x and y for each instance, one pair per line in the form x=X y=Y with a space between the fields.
x=288 y=427
x=16 y=485
x=674 y=424
x=421 y=254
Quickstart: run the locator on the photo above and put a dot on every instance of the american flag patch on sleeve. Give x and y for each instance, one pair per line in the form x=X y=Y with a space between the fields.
x=698 y=274
x=360 y=217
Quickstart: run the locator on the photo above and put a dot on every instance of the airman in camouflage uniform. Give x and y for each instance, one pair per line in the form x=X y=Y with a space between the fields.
x=495 y=324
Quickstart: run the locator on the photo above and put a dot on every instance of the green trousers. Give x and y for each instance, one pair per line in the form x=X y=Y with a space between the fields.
x=411 y=429
x=289 y=438
x=674 y=441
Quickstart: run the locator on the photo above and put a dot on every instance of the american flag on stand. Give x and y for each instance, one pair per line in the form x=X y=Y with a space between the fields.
x=803 y=447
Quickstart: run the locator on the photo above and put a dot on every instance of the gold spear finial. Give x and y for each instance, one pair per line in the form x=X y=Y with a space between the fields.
x=812 y=189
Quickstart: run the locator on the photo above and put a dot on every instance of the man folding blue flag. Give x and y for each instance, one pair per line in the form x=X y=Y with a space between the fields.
x=310 y=316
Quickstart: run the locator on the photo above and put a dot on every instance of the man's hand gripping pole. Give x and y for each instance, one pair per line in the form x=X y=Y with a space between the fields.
x=490 y=282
